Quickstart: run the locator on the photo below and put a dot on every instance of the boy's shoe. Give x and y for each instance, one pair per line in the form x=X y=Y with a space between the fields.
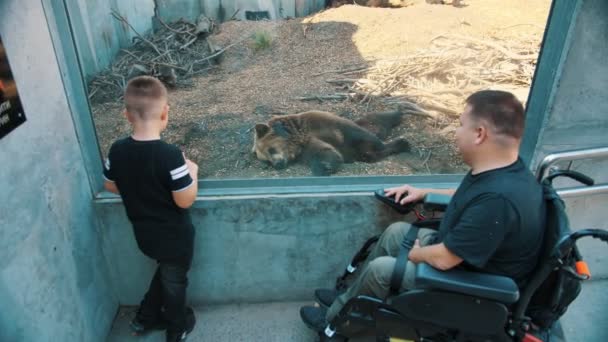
x=140 y=327
x=325 y=297
x=141 y=324
x=176 y=336
x=179 y=336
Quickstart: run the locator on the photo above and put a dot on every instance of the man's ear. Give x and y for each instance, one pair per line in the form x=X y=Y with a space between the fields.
x=261 y=130
x=481 y=134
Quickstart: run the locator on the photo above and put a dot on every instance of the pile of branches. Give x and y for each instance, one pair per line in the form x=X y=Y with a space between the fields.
x=439 y=78
x=174 y=53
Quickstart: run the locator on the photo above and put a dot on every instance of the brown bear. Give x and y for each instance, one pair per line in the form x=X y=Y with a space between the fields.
x=325 y=140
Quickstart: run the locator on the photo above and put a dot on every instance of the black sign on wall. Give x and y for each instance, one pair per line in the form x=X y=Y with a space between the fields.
x=11 y=111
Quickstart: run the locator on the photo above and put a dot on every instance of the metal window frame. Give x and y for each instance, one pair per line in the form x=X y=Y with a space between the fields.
x=553 y=51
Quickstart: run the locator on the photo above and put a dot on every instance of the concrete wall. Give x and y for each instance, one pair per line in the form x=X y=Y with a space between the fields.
x=266 y=248
x=54 y=280
x=173 y=10
x=578 y=118
x=99 y=36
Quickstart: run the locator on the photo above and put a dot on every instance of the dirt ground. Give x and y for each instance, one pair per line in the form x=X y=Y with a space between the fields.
x=212 y=120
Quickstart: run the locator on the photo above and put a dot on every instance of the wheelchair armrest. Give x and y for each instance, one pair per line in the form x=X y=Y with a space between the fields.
x=436 y=202
x=488 y=286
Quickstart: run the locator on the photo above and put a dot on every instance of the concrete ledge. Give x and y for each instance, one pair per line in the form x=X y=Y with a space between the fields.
x=253 y=250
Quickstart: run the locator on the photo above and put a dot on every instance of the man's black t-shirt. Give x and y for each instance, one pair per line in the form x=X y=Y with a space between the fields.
x=146 y=173
x=495 y=222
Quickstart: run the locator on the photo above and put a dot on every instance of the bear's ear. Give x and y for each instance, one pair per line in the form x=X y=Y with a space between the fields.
x=279 y=129
x=261 y=130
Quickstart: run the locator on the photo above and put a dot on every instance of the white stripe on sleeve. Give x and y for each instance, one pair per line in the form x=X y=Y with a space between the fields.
x=184 y=188
x=179 y=170
x=107 y=164
x=179 y=175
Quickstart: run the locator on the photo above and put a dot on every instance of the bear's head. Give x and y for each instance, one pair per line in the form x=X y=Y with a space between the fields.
x=275 y=145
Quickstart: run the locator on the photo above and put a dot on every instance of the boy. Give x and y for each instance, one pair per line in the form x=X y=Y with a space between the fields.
x=157 y=185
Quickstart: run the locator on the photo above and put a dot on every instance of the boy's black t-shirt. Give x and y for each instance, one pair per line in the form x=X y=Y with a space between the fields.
x=495 y=222
x=146 y=173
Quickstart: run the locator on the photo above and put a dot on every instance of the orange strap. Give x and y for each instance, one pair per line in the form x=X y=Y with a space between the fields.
x=583 y=269
x=531 y=338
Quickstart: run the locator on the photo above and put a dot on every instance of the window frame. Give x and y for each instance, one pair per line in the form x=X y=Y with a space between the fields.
x=553 y=50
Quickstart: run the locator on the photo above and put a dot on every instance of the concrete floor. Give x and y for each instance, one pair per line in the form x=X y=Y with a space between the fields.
x=585 y=321
x=268 y=322
x=587 y=318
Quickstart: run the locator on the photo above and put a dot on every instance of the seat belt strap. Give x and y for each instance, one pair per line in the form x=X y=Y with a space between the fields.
x=402 y=258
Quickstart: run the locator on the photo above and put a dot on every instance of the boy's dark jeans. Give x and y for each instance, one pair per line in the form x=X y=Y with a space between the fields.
x=168 y=289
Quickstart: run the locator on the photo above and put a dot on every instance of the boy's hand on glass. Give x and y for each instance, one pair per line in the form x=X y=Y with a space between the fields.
x=192 y=167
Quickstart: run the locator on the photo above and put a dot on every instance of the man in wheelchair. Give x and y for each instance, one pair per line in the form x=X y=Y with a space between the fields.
x=493 y=226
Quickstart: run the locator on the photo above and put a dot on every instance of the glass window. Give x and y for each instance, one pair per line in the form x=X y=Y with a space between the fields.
x=383 y=83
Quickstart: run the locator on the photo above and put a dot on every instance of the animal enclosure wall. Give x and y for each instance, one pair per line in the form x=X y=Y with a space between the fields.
x=100 y=37
x=54 y=282
x=578 y=118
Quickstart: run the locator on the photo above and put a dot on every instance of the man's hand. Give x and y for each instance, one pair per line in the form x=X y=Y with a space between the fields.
x=416 y=244
x=437 y=256
x=413 y=253
x=406 y=194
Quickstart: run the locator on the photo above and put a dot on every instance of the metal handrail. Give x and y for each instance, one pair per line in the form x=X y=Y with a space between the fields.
x=553 y=158
x=589 y=153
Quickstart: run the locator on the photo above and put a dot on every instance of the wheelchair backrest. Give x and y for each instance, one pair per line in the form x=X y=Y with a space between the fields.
x=551 y=289
x=557 y=224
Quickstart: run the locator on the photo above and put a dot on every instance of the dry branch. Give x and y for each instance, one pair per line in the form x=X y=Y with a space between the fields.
x=342 y=71
x=493 y=45
x=173 y=53
x=121 y=18
x=220 y=51
x=438 y=78
x=323 y=97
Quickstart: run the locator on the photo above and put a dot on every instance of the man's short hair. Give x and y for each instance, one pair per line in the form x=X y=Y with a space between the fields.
x=499 y=108
x=145 y=97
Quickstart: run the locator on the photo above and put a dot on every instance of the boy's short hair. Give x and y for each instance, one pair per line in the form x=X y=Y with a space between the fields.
x=145 y=97
x=501 y=109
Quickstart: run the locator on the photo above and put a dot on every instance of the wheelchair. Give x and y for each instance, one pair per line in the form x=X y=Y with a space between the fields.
x=461 y=305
